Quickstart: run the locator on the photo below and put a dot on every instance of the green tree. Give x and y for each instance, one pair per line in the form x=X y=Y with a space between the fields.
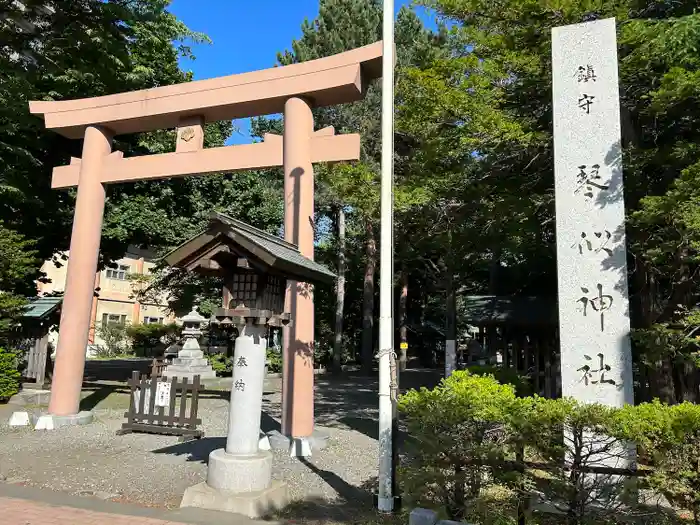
x=18 y=267
x=88 y=48
x=351 y=192
x=73 y=49
x=484 y=113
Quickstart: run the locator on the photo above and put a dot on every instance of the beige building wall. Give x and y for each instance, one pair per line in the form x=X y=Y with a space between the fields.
x=115 y=301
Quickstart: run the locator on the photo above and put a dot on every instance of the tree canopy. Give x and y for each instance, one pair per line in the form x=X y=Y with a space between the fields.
x=473 y=158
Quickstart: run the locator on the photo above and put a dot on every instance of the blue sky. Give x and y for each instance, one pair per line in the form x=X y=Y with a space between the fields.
x=246 y=35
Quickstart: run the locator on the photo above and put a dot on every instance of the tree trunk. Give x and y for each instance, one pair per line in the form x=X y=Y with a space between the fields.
x=495 y=270
x=403 y=328
x=451 y=327
x=339 y=294
x=368 y=302
x=661 y=381
x=642 y=317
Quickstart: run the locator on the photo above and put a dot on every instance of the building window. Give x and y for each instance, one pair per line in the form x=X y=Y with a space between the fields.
x=118 y=273
x=152 y=320
x=112 y=319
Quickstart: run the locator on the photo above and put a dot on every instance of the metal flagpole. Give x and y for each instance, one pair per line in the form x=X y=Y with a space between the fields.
x=385 y=501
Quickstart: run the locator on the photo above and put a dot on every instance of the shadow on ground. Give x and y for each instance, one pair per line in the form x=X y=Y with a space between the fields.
x=199 y=449
x=196 y=449
x=355 y=506
x=351 y=401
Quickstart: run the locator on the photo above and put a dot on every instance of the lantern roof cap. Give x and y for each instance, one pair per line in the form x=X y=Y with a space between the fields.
x=193 y=317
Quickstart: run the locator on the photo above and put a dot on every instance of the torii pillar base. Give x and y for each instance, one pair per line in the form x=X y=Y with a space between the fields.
x=298 y=447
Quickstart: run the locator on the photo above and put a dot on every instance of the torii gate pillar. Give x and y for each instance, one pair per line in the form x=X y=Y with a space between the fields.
x=298 y=351
x=84 y=252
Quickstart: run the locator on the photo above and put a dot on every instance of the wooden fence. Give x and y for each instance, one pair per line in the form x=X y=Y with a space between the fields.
x=532 y=353
x=157 y=367
x=37 y=358
x=151 y=398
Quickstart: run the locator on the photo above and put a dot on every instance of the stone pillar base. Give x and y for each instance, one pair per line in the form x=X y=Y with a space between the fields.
x=239 y=473
x=239 y=484
x=52 y=422
x=252 y=504
x=190 y=362
x=170 y=372
x=298 y=447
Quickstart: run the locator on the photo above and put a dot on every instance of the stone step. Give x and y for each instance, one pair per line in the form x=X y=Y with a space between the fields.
x=191 y=354
x=190 y=362
x=193 y=369
x=209 y=374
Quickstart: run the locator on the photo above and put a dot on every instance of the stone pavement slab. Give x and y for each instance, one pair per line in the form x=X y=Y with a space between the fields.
x=21 y=505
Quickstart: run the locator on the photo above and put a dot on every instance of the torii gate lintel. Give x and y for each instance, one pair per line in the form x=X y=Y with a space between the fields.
x=325 y=147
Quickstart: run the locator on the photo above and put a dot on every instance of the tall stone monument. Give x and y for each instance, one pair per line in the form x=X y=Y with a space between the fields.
x=190 y=360
x=594 y=324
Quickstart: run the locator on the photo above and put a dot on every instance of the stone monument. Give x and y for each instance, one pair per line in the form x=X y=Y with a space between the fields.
x=190 y=360
x=254 y=267
x=594 y=323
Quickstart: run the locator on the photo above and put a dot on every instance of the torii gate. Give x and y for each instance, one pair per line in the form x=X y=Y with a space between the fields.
x=292 y=90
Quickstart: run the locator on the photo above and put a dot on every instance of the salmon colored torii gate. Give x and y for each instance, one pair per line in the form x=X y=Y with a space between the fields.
x=292 y=90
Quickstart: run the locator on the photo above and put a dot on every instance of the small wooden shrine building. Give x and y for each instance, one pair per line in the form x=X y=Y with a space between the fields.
x=520 y=333
x=40 y=315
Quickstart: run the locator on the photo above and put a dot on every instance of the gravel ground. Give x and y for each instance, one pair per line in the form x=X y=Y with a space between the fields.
x=154 y=470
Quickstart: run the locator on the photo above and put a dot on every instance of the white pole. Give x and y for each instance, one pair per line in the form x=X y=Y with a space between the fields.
x=386 y=279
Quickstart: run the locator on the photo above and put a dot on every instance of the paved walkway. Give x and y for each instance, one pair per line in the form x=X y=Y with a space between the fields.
x=25 y=512
x=21 y=505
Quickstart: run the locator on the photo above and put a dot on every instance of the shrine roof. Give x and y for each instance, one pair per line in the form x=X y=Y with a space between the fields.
x=325 y=81
x=278 y=255
x=510 y=310
x=41 y=307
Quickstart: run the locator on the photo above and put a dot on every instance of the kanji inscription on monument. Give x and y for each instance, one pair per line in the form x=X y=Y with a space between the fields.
x=594 y=327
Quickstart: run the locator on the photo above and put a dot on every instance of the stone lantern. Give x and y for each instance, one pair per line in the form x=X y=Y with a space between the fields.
x=254 y=267
x=190 y=360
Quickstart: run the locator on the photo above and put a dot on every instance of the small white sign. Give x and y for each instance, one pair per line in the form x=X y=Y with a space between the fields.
x=163 y=394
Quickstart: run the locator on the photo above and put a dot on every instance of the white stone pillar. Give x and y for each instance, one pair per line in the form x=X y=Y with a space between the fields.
x=594 y=322
x=247 y=390
x=239 y=477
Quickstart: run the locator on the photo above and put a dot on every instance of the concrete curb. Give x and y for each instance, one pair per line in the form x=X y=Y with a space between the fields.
x=189 y=516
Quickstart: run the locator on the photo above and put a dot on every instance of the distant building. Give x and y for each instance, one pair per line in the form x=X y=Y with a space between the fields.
x=115 y=301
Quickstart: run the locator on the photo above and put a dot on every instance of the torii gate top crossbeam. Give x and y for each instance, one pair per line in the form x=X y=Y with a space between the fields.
x=326 y=81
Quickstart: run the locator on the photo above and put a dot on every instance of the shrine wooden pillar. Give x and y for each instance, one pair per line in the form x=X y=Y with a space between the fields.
x=80 y=281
